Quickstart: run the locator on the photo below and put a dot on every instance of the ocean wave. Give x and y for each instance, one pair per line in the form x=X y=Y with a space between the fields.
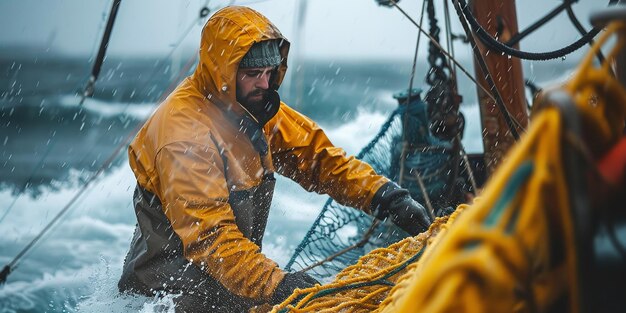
x=139 y=111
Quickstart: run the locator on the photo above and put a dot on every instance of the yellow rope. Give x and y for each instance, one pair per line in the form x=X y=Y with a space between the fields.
x=370 y=267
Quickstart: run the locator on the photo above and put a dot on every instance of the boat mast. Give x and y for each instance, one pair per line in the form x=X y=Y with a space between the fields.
x=499 y=18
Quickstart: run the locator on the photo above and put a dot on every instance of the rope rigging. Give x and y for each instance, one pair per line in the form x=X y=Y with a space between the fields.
x=104 y=44
x=515 y=39
x=581 y=30
x=496 y=45
x=449 y=36
x=445 y=122
x=508 y=119
x=436 y=43
x=456 y=62
x=442 y=98
x=405 y=117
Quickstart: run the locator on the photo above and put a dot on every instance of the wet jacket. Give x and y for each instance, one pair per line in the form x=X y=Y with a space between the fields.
x=205 y=175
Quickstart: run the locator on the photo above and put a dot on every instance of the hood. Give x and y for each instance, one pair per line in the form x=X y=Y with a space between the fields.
x=226 y=38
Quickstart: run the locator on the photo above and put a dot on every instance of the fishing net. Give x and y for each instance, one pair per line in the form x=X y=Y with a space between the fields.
x=361 y=287
x=340 y=234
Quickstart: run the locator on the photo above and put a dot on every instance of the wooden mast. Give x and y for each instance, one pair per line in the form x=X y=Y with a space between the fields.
x=499 y=18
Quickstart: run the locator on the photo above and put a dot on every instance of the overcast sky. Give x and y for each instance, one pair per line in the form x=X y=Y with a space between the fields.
x=332 y=28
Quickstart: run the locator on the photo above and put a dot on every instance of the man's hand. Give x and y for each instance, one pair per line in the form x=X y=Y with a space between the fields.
x=396 y=203
x=292 y=281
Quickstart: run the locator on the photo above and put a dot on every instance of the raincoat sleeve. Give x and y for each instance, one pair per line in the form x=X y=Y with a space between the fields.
x=195 y=200
x=302 y=151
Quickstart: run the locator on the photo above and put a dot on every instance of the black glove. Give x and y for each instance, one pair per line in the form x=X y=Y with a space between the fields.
x=396 y=203
x=292 y=281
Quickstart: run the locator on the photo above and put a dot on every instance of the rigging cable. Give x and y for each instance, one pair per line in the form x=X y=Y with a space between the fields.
x=465 y=159
x=442 y=99
x=500 y=103
x=13 y=264
x=538 y=24
x=449 y=36
x=468 y=167
x=423 y=190
x=408 y=99
x=487 y=92
x=28 y=180
x=508 y=119
x=463 y=69
x=104 y=43
x=403 y=155
x=582 y=31
x=495 y=45
x=436 y=46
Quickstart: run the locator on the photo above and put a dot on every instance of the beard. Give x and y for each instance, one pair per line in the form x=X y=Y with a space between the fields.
x=256 y=102
x=262 y=104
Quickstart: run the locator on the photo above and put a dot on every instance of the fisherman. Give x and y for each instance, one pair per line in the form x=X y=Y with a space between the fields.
x=205 y=163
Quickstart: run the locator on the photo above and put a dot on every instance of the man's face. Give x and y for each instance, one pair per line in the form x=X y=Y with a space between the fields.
x=252 y=85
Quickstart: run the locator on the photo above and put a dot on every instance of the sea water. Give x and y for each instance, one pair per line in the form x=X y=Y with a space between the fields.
x=50 y=148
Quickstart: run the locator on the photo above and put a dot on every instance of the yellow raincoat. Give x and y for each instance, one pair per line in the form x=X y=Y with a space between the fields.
x=204 y=190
